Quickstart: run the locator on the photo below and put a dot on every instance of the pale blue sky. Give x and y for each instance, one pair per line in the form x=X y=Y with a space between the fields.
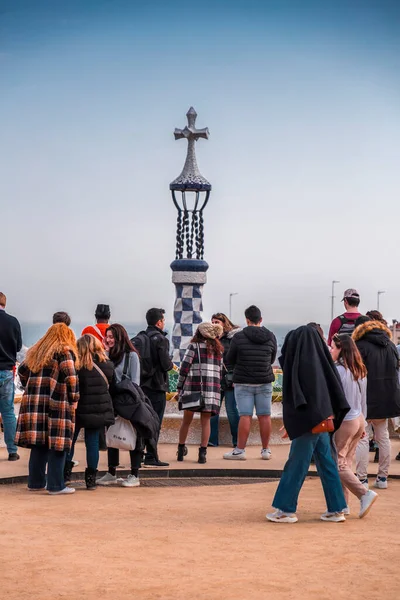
x=303 y=106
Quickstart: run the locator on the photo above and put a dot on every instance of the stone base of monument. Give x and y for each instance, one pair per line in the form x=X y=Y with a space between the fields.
x=173 y=418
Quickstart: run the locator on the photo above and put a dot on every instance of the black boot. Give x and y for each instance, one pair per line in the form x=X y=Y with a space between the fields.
x=90 y=478
x=182 y=451
x=68 y=471
x=202 y=455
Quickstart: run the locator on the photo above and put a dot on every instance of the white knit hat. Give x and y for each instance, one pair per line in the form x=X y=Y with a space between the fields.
x=209 y=330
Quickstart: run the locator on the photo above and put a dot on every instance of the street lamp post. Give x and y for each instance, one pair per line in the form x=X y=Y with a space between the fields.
x=378 y=295
x=333 y=298
x=230 y=303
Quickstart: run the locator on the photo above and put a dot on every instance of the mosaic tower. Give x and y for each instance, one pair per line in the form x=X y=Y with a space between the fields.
x=190 y=194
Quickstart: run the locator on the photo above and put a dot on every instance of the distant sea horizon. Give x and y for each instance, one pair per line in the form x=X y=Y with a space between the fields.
x=32 y=332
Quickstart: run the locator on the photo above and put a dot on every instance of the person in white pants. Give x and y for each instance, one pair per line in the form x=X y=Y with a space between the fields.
x=381 y=436
x=380 y=356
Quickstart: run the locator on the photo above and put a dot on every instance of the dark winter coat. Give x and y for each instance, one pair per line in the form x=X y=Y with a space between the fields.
x=95 y=408
x=10 y=340
x=382 y=361
x=161 y=360
x=252 y=353
x=312 y=389
x=130 y=403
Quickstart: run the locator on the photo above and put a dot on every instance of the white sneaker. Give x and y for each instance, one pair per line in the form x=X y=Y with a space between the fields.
x=75 y=463
x=346 y=511
x=66 y=490
x=107 y=479
x=335 y=517
x=365 y=483
x=131 y=481
x=279 y=516
x=381 y=483
x=266 y=454
x=235 y=454
x=366 y=502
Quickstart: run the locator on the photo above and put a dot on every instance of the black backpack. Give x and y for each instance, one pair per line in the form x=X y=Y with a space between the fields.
x=347 y=326
x=143 y=345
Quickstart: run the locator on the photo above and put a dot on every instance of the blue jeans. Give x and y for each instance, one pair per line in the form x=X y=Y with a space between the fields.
x=250 y=396
x=7 y=409
x=40 y=456
x=296 y=469
x=233 y=418
x=92 y=443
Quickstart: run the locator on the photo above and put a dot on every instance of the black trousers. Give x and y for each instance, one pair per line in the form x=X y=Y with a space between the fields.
x=136 y=455
x=158 y=401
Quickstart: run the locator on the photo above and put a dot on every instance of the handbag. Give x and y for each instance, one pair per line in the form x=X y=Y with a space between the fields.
x=228 y=377
x=327 y=425
x=121 y=435
x=193 y=400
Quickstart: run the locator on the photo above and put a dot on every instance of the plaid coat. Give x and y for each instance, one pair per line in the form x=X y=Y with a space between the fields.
x=46 y=417
x=189 y=377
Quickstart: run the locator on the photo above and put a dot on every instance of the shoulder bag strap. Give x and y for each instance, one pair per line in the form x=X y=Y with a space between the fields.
x=126 y=366
x=98 y=331
x=102 y=374
x=201 y=374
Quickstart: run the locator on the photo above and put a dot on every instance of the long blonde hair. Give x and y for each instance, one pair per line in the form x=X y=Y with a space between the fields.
x=58 y=339
x=88 y=348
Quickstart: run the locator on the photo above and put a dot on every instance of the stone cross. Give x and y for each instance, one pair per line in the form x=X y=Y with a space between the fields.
x=191 y=178
x=190 y=132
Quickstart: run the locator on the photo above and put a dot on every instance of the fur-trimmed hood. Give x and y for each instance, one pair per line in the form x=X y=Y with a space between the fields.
x=232 y=332
x=378 y=333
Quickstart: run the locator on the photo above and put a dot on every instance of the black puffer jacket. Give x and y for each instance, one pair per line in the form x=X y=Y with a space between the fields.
x=252 y=353
x=382 y=361
x=95 y=408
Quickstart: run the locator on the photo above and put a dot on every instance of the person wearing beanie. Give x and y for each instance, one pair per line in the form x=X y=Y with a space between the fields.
x=102 y=316
x=199 y=385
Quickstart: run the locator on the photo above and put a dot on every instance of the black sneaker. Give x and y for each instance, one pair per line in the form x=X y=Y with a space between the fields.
x=13 y=456
x=151 y=463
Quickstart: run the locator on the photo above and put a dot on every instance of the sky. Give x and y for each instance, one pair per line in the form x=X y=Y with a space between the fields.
x=302 y=100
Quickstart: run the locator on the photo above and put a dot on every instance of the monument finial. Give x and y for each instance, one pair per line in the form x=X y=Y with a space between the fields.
x=191 y=179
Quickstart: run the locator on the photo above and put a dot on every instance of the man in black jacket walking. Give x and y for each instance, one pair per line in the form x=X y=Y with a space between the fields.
x=10 y=344
x=252 y=353
x=155 y=383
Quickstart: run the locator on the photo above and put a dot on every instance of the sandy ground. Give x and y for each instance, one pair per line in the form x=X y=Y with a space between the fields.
x=193 y=543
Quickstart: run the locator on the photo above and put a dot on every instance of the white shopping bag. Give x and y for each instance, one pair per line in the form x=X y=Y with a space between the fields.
x=121 y=435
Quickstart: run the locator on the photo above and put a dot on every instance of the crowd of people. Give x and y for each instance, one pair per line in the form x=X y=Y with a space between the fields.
x=337 y=396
